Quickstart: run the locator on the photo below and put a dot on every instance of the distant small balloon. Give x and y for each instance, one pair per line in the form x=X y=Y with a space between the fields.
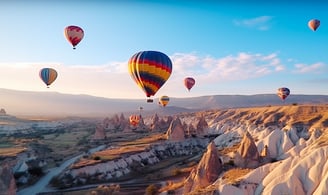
x=164 y=100
x=314 y=24
x=74 y=35
x=134 y=120
x=189 y=82
x=283 y=92
x=48 y=75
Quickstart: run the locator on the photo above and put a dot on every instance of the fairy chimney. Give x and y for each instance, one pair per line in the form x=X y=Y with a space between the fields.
x=175 y=131
x=7 y=180
x=206 y=172
x=99 y=133
x=202 y=126
x=247 y=154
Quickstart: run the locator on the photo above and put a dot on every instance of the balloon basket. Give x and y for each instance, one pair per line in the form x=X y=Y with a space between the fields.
x=150 y=100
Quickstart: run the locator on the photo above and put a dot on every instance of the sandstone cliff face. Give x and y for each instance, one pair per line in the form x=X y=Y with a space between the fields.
x=7 y=180
x=207 y=171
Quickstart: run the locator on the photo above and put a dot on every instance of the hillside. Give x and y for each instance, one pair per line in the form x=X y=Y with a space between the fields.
x=53 y=103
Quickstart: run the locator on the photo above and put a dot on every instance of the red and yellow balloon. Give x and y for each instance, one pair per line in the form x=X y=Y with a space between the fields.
x=164 y=100
x=134 y=120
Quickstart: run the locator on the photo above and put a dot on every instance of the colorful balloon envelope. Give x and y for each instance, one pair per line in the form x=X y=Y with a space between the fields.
x=189 y=82
x=283 y=92
x=150 y=70
x=74 y=35
x=164 y=100
x=314 y=24
x=134 y=120
x=48 y=75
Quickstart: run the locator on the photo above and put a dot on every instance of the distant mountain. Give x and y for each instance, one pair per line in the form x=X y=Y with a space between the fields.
x=53 y=103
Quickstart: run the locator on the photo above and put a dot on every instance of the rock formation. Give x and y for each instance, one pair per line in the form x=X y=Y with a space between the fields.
x=247 y=155
x=207 y=171
x=202 y=126
x=2 y=112
x=7 y=180
x=99 y=133
x=176 y=131
x=154 y=126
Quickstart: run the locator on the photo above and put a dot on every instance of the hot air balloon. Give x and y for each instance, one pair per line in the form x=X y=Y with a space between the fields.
x=189 y=82
x=48 y=75
x=150 y=70
x=74 y=35
x=283 y=92
x=164 y=100
x=134 y=120
x=314 y=24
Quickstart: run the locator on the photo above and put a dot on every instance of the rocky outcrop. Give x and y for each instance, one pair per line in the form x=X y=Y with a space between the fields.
x=154 y=126
x=202 y=126
x=176 y=131
x=7 y=180
x=127 y=163
x=99 y=133
x=207 y=171
x=2 y=112
x=247 y=155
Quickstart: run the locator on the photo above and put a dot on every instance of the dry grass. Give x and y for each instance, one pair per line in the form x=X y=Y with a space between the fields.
x=65 y=143
x=311 y=115
x=145 y=140
x=11 y=151
x=124 y=148
x=232 y=176
x=171 y=186
x=228 y=150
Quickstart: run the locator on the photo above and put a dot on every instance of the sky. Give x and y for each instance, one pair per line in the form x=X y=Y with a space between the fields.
x=228 y=47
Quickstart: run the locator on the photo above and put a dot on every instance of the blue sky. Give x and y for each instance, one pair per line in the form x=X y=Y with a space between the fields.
x=229 y=47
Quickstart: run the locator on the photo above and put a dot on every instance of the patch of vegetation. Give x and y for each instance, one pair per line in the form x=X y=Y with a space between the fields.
x=232 y=176
x=152 y=189
x=96 y=158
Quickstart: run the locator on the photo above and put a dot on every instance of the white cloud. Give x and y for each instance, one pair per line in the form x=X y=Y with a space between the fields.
x=312 y=68
x=239 y=67
x=259 y=23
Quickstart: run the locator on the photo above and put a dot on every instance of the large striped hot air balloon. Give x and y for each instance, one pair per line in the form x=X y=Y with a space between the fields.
x=189 y=82
x=48 y=75
x=150 y=70
x=283 y=92
x=164 y=100
x=74 y=35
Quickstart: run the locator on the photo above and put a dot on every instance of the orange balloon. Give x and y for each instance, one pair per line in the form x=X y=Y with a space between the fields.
x=314 y=24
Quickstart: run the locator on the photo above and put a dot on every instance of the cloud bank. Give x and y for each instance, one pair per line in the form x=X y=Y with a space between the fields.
x=113 y=80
